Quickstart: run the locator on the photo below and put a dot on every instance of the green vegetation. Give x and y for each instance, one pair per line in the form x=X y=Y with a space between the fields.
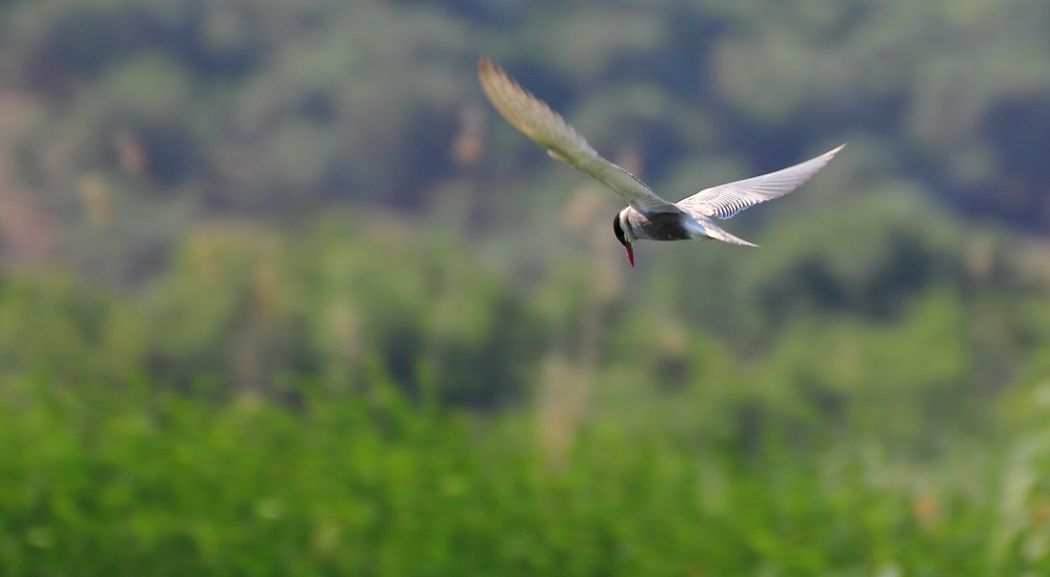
x=264 y=409
x=156 y=485
x=281 y=296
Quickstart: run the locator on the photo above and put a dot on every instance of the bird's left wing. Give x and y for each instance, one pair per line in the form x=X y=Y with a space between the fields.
x=546 y=128
x=726 y=200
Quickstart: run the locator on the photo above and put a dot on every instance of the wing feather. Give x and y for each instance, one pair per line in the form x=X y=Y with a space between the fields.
x=548 y=129
x=726 y=200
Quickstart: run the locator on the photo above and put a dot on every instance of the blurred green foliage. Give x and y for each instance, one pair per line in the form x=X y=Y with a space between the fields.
x=289 y=405
x=178 y=109
x=105 y=482
x=281 y=296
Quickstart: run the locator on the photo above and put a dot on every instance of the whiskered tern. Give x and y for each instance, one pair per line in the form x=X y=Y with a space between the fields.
x=647 y=216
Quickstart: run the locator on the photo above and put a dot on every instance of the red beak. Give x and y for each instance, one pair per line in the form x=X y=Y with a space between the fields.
x=630 y=254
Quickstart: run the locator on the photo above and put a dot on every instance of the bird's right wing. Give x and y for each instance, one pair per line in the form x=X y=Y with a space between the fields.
x=546 y=128
x=726 y=200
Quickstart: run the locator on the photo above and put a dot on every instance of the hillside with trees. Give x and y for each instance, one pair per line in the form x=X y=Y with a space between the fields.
x=282 y=294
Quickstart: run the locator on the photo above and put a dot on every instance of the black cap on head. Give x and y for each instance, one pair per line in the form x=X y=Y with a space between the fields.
x=620 y=236
x=618 y=230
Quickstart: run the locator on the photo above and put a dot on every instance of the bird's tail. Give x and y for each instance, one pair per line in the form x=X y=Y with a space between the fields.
x=713 y=231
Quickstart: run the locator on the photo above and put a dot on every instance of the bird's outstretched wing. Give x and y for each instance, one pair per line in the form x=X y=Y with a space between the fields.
x=545 y=127
x=726 y=200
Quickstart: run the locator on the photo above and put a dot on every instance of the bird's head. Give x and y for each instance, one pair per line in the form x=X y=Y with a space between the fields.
x=620 y=236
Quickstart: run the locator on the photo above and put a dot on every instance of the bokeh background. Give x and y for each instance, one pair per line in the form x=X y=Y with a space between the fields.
x=282 y=295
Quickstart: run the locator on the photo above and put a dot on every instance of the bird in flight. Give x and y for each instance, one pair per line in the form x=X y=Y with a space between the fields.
x=647 y=216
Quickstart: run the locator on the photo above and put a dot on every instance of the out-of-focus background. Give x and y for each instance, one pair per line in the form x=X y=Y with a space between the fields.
x=282 y=295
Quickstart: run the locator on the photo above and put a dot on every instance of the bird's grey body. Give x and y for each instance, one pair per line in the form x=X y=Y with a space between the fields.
x=670 y=226
x=647 y=215
x=658 y=226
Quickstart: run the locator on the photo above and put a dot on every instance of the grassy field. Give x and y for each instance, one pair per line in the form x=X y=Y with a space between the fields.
x=147 y=483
